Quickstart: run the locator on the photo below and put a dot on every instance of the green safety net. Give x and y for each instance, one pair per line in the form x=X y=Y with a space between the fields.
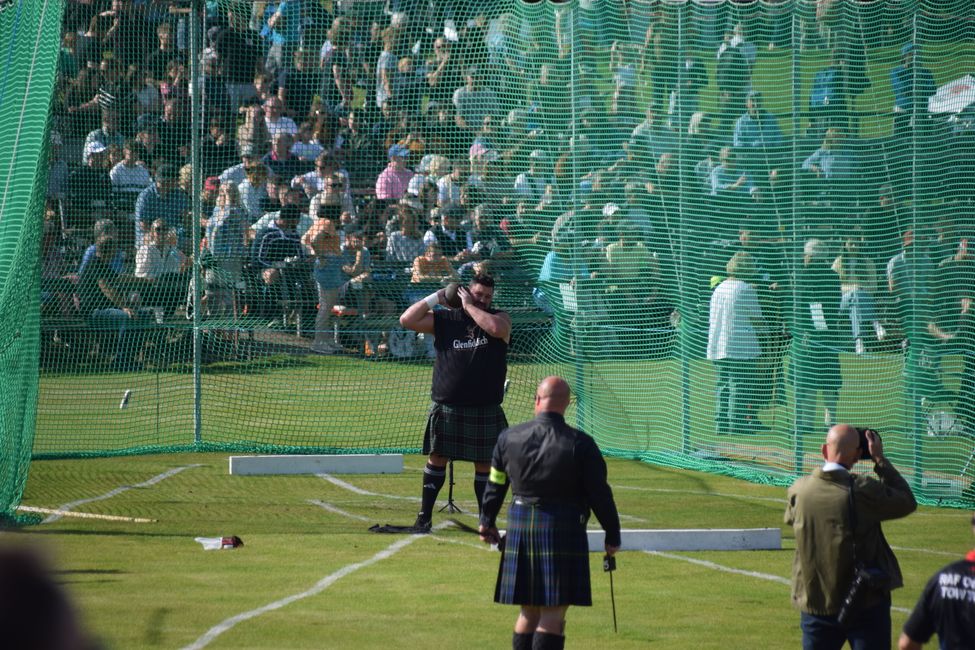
x=728 y=225
x=28 y=37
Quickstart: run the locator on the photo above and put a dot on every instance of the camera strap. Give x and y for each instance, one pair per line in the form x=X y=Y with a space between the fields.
x=853 y=517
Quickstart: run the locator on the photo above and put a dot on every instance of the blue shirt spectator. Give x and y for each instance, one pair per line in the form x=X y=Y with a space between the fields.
x=161 y=200
x=757 y=128
x=912 y=83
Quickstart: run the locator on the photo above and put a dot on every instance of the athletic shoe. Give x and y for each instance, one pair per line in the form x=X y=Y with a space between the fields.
x=422 y=526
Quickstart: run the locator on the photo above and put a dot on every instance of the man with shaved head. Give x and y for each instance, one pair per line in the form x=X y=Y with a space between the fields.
x=557 y=474
x=836 y=516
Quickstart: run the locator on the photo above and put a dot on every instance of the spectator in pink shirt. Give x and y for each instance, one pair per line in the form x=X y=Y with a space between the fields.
x=393 y=181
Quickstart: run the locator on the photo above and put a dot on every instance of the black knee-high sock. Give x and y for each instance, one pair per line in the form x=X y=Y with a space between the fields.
x=480 y=482
x=546 y=641
x=433 y=480
x=521 y=641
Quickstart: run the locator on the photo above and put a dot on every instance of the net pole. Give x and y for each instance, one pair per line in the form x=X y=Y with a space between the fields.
x=196 y=106
x=682 y=332
x=793 y=239
x=582 y=393
x=914 y=352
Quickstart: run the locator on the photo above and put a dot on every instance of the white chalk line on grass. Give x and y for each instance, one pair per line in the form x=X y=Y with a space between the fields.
x=366 y=493
x=742 y=572
x=908 y=549
x=338 y=511
x=318 y=588
x=119 y=490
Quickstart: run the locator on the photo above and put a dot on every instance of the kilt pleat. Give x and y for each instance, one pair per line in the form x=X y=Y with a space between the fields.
x=546 y=557
x=463 y=432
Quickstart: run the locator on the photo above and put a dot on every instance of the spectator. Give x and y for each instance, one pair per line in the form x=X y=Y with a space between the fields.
x=727 y=179
x=474 y=102
x=103 y=302
x=297 y=87
x=238 y=51
x=650 y=139
x=161 y=200
x=432 y=266
x=757 y=129
x=156 y=63
x=253 y=136
x=226 y=241
x=106 y=135
x=283 y=165
x=236 y=174
x=443 y=72
x=405 y=244
x=912 y=85
x=449 y=185
x=287 y=195
x=532 y=186
x=734 y=322
x=818 y=337
x=281 y=261
x=283 y=33
x=89 y=188
x=130 y=176
x=253 y=191
x=163 y=268
x=323 y=242
x=307 y=146
x=174 y=132
x=275 y=120
x=358 y=147
x=858 y=282
x=326 y=171
x=447 y=234
x=386 y=67
x=392 y=182
x=485 y=240
x=832 y=161
x=218 y=149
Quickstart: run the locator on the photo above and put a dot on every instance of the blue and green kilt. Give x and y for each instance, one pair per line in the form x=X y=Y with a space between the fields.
x=464 y=432
x=546 y=557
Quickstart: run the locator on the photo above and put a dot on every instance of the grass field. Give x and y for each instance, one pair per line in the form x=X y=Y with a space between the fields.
x=308 y=402
x=311 y=576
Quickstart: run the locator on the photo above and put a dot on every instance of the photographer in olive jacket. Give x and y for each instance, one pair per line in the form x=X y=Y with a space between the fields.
x=833 y=538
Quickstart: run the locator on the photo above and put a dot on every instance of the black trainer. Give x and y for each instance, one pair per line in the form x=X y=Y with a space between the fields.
x=422 y=525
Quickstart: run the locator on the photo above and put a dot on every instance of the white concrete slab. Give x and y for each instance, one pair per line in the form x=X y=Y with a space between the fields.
x=317 y=464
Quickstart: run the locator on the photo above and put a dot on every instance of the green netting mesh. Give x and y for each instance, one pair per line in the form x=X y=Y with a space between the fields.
x=28 y=37
x=727 y=224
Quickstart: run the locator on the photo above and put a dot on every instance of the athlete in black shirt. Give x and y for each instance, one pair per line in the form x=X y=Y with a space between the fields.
x=947 y=606
x=557 y=474
x=468 y=385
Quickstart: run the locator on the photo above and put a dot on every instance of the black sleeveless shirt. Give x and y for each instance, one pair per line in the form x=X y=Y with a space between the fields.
x=471 y=366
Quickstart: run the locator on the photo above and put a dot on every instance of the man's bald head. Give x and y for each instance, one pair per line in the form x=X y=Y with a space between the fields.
x=842 y=445
x=552 y=394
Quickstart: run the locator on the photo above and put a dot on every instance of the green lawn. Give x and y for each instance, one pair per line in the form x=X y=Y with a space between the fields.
x=152 y=586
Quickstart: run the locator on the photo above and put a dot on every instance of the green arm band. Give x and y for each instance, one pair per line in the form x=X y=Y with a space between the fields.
x=497 y=476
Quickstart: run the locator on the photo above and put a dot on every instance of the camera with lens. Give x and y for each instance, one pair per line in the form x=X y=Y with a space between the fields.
x=866 y=580
x=864 y=445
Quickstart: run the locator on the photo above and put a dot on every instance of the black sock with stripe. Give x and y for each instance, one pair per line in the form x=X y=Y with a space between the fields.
x=480 y=483
x=433 y=480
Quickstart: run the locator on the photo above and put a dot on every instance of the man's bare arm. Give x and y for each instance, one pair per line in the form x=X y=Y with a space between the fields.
x=419 y=316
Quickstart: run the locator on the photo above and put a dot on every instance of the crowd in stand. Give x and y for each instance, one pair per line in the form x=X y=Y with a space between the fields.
x=347 y=144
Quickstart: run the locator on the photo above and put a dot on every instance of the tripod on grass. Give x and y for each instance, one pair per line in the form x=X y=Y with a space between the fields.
x=451 y=507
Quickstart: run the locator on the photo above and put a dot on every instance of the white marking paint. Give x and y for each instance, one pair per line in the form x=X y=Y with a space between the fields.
x=928 y=551
x=119 y=490
x=742 y=572
x=319 y=587
x=366 y=493
x=338 y=511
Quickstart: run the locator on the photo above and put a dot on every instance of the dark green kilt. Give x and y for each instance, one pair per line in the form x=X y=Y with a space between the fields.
x=546 y=557
x=464 y=432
